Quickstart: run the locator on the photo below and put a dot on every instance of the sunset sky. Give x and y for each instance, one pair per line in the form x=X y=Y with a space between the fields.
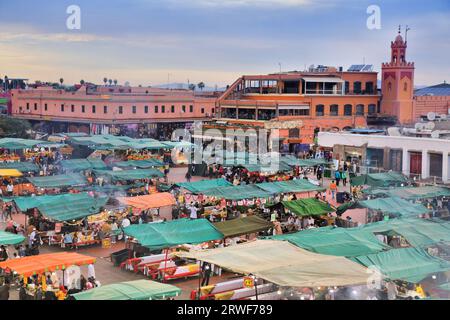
x=215 y=41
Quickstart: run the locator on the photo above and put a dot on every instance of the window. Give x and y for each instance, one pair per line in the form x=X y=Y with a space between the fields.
x=83 y=109
x=28 y=106
x=45 y=107
x=348 y=110
x=334 y=110
x=372 y=109
x=163 y=109
x=347 y=87
x=94 y=109
x=183 y=108
x=146 y=109
x=405 y=86
x=203 y=110
x=133 y=108
x=389 y=86
x=360 y=110
x=105 y=109
x=320 y=110
x=72 y=108
x=357 y=87
x=35 y=106
x=212 y=110
x=172 y=109
x=62 y=108
x=369 y=88
x=120 y=109
x=156 y=109
x=191 y=108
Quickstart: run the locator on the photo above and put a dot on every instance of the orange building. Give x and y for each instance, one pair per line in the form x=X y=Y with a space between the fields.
x=322 y=98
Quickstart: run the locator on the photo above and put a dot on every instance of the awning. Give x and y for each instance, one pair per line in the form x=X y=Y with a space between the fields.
x=308 y=207
x=10 y=173
x=241 y=226
x=141 y=164
x=284 y=264
x=20 y=166
x=18 y=144
x=293 y=161
x=291 y=186
x=28 y=266
x=412 y=193
x=133 y=290
x=82 y=164
x=323 y=79
x=125 y=175
x=199 y=186
x=156 y=200
x=379 y=179
x=58 y=181
x=173 y=233
x=409 y=264
x=7 y=238
x=336 y=241
x=241 y=192
x=394 y=206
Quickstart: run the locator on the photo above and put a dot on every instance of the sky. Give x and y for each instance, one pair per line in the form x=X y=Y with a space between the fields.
x=150 y=42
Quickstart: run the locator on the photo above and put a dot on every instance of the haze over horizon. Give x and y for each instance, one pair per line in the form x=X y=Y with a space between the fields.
x=152 y=42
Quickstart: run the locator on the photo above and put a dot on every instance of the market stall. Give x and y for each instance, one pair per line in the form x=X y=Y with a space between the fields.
x=385 y=179
x=242 y=226
x=58 y=181
x=162 y=202
x=7 y=238
x=77 y=165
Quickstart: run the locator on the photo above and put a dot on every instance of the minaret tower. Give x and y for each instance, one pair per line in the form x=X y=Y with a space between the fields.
x=398 y=83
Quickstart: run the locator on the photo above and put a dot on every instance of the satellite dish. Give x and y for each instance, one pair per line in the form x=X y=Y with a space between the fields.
x=431 y=116
x=418 y=126
x=443 y=117
x=430 y=126
x=435 y=134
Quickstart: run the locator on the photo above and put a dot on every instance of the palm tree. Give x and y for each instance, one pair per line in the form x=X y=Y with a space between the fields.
x=82 y=82
x=105 y=80
x=201 y=86
x=61 y=81
x=115 y=82
x=110 y=82
x=192 y=87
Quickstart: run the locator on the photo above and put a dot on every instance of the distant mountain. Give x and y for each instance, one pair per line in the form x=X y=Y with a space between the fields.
x=185 y=86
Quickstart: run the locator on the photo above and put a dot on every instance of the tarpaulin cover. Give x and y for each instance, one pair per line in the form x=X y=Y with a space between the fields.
x=63 y=207
x=28 y=266
x=412 y=193
x=199 y=186
x=133 y=290
x=269 y=168
x=58 y=181
x=82 y=164
x=10 y=173
x=284 y=264
x=308 y=207
x=17 y=143
x=237 y=192
x=141 y=164
x=110 y=142
x=336 y=241
x=296 y=186
x=172 y=233
x=408 y=264
x=241 y=226
x=293 y=161
x=156 y=200
x=124 y=175
x=394 y=205
x=20 y=166
x=418 y=232
x=7 y=238
x=379 y=179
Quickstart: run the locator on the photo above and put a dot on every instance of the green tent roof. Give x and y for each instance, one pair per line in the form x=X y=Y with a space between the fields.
x=240 y=192
x=133 y=290
x=172 y=233
x=65 y=207
x=293 y=161
x=21 y=166
x=396 y=206
x=82 y=164
x=379 y=179
x=308 y=207
x=142 y=164
x=17 y=143
x=412 y=193
x=7 y=238
x=409 y=264
x=297 y=186
x=241 y=226
x=199 y=186
x=110 y=142
x=58 y=181
x=336 y=241
x=124 y=175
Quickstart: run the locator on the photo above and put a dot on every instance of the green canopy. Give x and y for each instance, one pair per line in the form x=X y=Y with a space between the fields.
x=141 y=164
x=270 y=168
x=296 y=186
x=336 y=241
x=308 y=207
x=110 y=142
x=293 y=161
x=133 y=290
x=173 y=233
x=17 y=143
x=199 y=186
x=64 y=207
x=20 y=166
x=82 y=164
x=240 y=192
x=7 y=238
x=125 y=175
x=395 y=206
x=241 y=226
x=409 y=264
x=379 y=179
x=412 y=193
x=418 y=232
x=58 y=181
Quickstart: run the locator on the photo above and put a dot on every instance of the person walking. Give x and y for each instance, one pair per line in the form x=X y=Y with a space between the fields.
x=344 y=178
x=333 y=189
x=188 y=176
x=337 y=176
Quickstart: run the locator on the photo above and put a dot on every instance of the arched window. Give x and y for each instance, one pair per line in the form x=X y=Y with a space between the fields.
x=389 y=86
x=334 y=110
x=405 y=86
x=320 y=110
x=372 y=109
x=348 y=110
x=357 y=87
x=359 y=109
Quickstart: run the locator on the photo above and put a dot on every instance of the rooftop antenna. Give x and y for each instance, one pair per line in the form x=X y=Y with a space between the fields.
x=406 y=33
x=279 y=63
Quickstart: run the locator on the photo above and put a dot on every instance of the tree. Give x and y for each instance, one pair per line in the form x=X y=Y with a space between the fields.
x=192 y=87
x=82 y=82
x=61 y=81
x=14 y=128
x=115 y=82
x=110 y=82
x=105 y=80
x=201 y=86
